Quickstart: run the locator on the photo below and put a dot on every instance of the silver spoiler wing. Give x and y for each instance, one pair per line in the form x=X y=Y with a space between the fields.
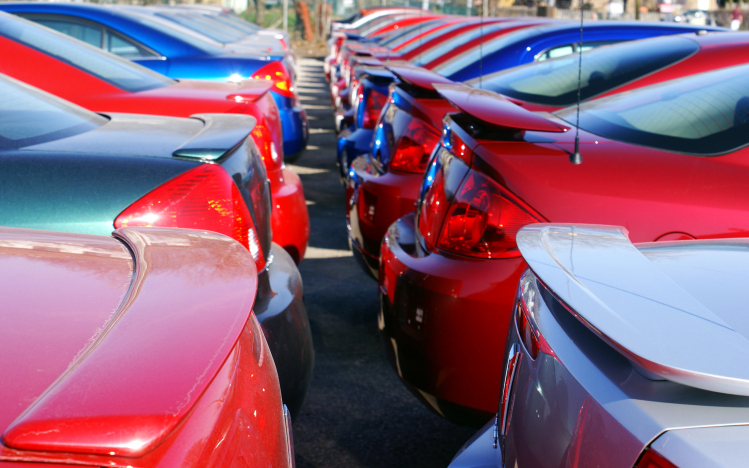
x=627 y=301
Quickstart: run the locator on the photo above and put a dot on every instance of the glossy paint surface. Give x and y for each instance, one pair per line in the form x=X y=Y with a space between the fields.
x=181 y=99
x=431 y=303
x=180 y=59
x=168 y=368
x=215 y=380
x=641 y=296
x=494 y=109
x=699 y=199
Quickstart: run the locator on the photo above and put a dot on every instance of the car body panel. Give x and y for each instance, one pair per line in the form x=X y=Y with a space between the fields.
x=180 y=99
x=178 y=58
x=103 y=330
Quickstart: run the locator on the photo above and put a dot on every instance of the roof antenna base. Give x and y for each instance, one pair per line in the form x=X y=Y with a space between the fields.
x=576 y=158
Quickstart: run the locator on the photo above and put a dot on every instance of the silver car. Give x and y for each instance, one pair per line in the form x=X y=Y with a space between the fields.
x=622 y=355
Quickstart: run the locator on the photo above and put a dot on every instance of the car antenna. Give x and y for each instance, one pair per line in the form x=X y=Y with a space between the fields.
x=576 y=157
x=481 y=49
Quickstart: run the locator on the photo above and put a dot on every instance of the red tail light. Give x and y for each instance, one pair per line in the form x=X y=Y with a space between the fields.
x=262 y=138
x=372 y=107
x=460 y=149
x=525 y=330
x=414 y=148
x=652 y=459
x=203 y=198
x=483 y=219
x=279 y=75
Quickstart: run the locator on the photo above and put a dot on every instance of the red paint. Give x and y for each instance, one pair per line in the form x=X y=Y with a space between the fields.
x=405 y=22
x=99 y=378
x=617 y=184
x=183 y=99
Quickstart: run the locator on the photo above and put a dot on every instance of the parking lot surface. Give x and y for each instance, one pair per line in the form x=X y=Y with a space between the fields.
x=357 y=413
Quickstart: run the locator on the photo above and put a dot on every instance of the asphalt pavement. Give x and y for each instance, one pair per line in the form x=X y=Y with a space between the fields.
x=357 y=412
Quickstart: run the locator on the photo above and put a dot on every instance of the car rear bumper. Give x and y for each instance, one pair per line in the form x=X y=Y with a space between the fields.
x=351 y=145
x=280 y=310
x=377 y=201
x=289 y=220
x=294 y=125
x=445 y=320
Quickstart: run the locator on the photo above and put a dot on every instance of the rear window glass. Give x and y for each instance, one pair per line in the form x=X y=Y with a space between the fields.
x=226 y=36
x=431 y=35
x=705 y=114
x=554 y=82
x=181 y=33
x=110 y=68
x=30 y=117
x=445 y=46
x=409 y=32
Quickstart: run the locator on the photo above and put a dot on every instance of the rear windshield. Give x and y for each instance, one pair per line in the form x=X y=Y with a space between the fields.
x=195 y=39
x=554 y=82
x=409 y=32
x=705 y=114
x=431 y=35
x=224 y=36
x=445 y=46
x=115 y=70
x=30 y=117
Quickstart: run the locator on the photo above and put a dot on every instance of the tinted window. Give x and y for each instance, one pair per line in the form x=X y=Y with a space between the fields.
x=83 y=32
x=110 y=68
x=227 y=35
x=429 y=36
x=176 y=31
x=554 y=82
x=702 y=114
x=124 y=47
x=445 y=46
x=29 y=116
x=408 y=32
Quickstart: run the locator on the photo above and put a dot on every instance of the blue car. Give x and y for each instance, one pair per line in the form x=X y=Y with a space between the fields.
x=174 y=51
x=516 y=48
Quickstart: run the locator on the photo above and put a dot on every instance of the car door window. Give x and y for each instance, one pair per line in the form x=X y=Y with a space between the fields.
x=124 y=47
x=91 y=34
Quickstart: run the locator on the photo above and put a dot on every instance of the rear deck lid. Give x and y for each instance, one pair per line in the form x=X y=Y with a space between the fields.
x=144 y=357
x=677 y=311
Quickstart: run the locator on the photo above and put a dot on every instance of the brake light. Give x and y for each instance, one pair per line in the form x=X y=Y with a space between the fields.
x=525 y=330
x=262 y=138
x=526 y=313
x=414 y=148
x=279 y=75
x=372 y=108
x=203 y=198
x=460 y=149
x=483 y=219
x=652 y=459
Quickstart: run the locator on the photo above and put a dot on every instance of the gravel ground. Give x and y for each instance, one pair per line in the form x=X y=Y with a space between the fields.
x=357 y=413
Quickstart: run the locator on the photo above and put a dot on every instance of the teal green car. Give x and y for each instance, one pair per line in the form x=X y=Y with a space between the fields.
x=64 y=168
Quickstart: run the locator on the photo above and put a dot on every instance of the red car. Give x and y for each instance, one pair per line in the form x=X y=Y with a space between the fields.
x=137 y=350
x=668 y=162
x=104 y=82
x=415 y=114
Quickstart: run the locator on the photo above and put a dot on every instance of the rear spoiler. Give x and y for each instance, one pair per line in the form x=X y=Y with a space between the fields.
x=220 y=134
x=417 y=76
x=495 y=109
x=250 y=90
x=106 y=405
x=377 y=73
x=627 y=301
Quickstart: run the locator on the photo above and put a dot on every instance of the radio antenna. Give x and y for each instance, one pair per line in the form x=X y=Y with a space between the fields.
x=481 y=50
x=576 y=157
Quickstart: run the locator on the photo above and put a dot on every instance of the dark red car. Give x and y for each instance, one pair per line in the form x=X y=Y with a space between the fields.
x=136 y=350
x=412 y=122
x=103 y=82
x=668 y=162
